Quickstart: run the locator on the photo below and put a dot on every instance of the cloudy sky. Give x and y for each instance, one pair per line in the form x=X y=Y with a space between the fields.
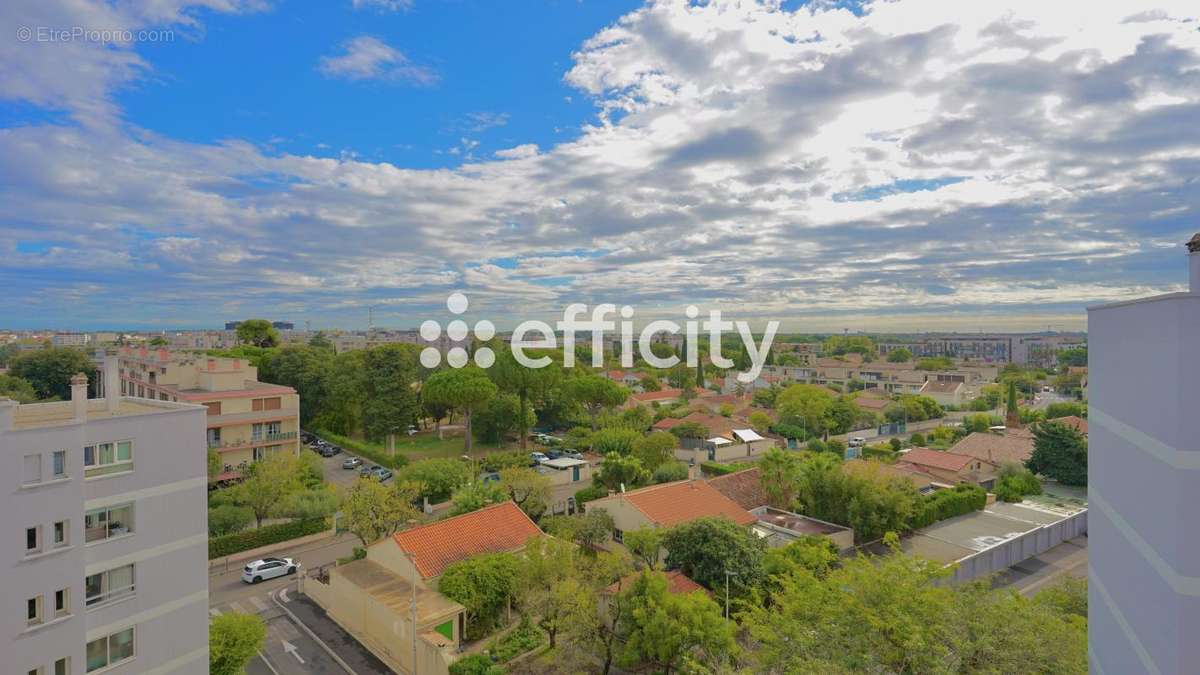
x=901 y=165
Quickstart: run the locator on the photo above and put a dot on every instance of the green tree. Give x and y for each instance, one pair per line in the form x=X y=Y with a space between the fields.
x=869 y=499
x=1060 y=453
x=596 y=393
x=267 y=483
x=214 y=464
x=807 y=405
x=321 y=502
x=645 y=544
x=476 y=495
x=812 y=553
x=588 y=530
x=650 y=383
x=899 y=355
x=476 y=664
x=502 y=416
x=599 y=622
x=465 y=389
x=528 y=489
x=372 y=510
x=257 y=332
x=233 y=639
x=228 y=518
x=655 y=449
x=1073 y=357
x=1053 y=411
x=669 y=472
x=935 y=363
x=617 y=470
x=681 y=377
x=49 y=371
x=617 y=440
x=484 y=585
x=705 y=548
x=307 y=370
x=529 y=385
x=342 y=407
x=664 y=630
x=390 y=403
x=689 y=430
x=760 y=421
x=438 y=477
x=550 y=588
x=779 y=476
x=320 y=341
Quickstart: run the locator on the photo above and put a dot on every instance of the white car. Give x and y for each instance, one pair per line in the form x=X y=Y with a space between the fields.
x=268 y=568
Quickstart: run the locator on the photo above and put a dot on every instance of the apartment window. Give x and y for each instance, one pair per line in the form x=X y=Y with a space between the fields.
x=33 y=539
x=274 y=428
x=256 y=432
x=62 y=602
x=33 y=611
x=37 y=671
x=110 y=650
x=112 y=521
x=60 y=463
x=214 y=437
x=62 y=666
x=110 y=585
x=618 y=536
x=106 y=458
x=214 y=408
x=33 y=470
x=266 y=403
x=60 y=534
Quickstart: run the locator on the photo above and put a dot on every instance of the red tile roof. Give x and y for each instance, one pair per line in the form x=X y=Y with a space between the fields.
x=1074 y=421
x=657 y=395
x=667 y=423
x=677 y=582
x=500 y=527
x=1014 y=446
x=947 y=461
x=672 y=503
x=743 y=487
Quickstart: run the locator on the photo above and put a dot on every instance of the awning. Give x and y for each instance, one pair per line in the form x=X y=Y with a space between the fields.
x=747 y=435
x=717 y=440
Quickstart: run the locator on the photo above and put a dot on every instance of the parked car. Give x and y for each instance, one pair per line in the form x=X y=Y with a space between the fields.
x=554 y=454
x=538 y=457
x=352 y=462
x=330 y=450
x=382 y=473
x=857 y=442
x=268 y=568
x=572 y=453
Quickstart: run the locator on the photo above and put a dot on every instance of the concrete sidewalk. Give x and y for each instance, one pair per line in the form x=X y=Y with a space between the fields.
x=356 y=656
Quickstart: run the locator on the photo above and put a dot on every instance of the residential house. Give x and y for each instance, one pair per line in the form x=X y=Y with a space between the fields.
x=951 y=468
x=1074 y=421
x=1012 y=447
x=780 y=528
x=922 y=480
x=727 y=439
x=666 y=505
x=945 y=392
x=372 y=598
x=743 y=487
x=661 y=397
x=625 y=377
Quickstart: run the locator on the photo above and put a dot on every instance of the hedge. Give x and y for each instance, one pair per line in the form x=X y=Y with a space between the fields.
x=376 y=455
x=944 y=504
x=219 y=547
x=715 y=469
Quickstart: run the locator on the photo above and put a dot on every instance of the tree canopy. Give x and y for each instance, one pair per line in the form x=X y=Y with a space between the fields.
x=49 y=371
x=257 y=332
x=1059 y=452
x=465 y=389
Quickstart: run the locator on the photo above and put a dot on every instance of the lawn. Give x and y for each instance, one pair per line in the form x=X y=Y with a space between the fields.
x=423 y=445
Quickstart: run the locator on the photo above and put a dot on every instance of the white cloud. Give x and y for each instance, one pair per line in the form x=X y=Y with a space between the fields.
x=384 y=5
x=724 y=132
x=369 y=58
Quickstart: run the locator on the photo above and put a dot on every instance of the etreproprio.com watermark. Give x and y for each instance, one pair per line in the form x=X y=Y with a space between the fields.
x=92 y=35
x=598 y=325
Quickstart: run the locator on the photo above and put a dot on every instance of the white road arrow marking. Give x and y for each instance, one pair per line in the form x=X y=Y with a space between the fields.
x=283 y=595
x=289 y=648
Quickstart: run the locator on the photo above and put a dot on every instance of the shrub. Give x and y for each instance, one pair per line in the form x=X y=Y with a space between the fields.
x=670 y=472
x=589 y=493
x=475 y=664
x=1016 y=482
x=944 y=504
x=816 y=445
x=896 y=444
x=496 y=461
x=228 y=518
x=263 y=536
x=715 y=469
x=880 y=452
x=918 y=439
x=524 y=638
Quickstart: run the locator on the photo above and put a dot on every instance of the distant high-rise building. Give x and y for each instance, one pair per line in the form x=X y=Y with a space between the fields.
x=283 y=325
x=232 y=325
x=70 y=339
x=1143 y=482
x=105 y=529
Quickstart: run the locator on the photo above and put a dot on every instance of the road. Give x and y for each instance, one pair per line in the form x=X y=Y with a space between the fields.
x=1027 y=577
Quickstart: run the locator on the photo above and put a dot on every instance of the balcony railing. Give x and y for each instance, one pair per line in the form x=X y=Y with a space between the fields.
x=254 y=440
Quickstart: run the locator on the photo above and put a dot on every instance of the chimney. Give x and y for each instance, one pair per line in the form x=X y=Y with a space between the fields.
x=1194 y=263
x=112 y=384
x=79 y=399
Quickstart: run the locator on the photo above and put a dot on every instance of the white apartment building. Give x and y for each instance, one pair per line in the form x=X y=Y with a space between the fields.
x=1144 y=482
x=103 y=565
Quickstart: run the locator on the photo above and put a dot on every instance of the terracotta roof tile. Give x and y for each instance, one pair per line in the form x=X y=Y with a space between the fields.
x=1074 y=421
x=500 y=527
x=677 y=582
x=948 y=461
x=672 y=503
x=743 y=487
x=1015 y=446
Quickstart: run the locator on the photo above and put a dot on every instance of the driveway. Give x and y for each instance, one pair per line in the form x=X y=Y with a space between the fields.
x=1027 y=577
x=335 y=474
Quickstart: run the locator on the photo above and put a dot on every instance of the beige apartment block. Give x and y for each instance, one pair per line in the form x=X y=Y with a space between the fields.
x=104 y=563
x=247 y=419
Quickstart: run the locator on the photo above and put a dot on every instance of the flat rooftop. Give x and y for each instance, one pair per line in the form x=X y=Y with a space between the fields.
x=965 y=535
x=35 y=415
x=395 y=592
x=796 y=522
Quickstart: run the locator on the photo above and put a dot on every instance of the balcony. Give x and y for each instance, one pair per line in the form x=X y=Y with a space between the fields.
x=260 y=439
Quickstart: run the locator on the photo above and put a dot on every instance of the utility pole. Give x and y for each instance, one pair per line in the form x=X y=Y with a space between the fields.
x=727 y=575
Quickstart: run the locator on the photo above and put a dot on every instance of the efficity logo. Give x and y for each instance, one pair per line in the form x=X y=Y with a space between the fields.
x=615 y=336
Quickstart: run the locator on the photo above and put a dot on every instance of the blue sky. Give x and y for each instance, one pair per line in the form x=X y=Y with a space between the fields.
x=904 y=165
